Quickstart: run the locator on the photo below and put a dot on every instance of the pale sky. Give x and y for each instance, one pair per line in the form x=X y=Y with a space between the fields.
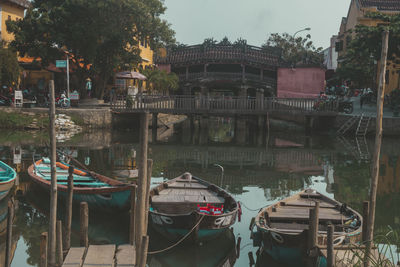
x=254 y=20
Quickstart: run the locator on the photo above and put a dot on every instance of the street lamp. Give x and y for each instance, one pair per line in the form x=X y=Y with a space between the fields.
x=306 y=29
x=222 y=173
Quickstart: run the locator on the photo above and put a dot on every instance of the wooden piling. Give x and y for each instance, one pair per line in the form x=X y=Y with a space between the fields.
x=43 y=250
x=312 y=235
x=9 y=233
x=68 y=215
x=365 y=220
x=84 y=224
x=132 y=216
x=154 y=127
x=60 y=257
x=143 y=251
x=378 y=143
x=142 y=181
x=149 y=172
x=330 y=255
x=53 y=188
x=251 y=259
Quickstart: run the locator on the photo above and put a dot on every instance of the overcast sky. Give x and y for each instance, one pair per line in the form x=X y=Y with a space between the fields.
x=254 y=20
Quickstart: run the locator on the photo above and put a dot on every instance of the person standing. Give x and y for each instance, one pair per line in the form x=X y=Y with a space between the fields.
x=88 y=86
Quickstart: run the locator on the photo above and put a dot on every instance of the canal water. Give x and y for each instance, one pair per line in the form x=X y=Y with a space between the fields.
x=258 y=172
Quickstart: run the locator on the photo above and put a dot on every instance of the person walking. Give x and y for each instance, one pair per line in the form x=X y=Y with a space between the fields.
x=88 y=86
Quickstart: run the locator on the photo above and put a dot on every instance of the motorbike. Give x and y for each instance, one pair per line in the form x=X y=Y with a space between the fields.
x=63 y=102
x=345 y=106
x=5 y=101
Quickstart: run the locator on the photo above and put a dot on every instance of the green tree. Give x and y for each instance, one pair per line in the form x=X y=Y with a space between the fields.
x=295 y=50
x=363 y=51
x=161 y=81
x=101 y=36
x=9 y=68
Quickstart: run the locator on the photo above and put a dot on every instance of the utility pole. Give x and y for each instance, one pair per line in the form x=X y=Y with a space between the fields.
x=378 y=142
x=53 y=188
x=67 y=76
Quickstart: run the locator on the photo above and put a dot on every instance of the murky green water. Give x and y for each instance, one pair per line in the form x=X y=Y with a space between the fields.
x=257 y=173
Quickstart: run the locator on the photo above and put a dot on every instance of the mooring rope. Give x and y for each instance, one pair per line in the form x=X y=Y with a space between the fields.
x=179 y=241
x=241 y=203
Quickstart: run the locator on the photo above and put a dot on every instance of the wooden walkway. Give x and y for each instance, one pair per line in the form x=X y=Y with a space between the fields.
x=181 y=104
x=101 y=256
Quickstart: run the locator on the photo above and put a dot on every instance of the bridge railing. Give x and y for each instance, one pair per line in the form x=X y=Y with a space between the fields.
x=181 y=103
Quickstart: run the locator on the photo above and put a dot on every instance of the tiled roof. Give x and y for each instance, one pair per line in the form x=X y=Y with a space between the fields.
x=384 y=5
x=21 y=3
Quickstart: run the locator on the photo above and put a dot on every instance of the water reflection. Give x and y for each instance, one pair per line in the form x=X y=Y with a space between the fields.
x=257 y=174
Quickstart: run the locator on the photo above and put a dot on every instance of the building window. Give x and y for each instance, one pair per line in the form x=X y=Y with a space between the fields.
x=339 y=46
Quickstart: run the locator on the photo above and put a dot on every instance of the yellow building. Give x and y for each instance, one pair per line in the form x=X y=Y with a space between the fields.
x=10 y=9
x=357 y=16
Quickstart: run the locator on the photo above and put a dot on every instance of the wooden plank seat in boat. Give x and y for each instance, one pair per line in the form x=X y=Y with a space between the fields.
x=87 y=184
x=186 y=184
x=295 y=227
x=189 y=192
x=293 y=214
x=187 y=199
x=307 y=203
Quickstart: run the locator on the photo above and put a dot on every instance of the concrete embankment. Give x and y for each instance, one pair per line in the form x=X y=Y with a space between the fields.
x=37 y=118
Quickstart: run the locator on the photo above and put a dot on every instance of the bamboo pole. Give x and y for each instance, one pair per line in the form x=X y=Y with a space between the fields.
x=84 y=224
x=378 y=142
x=143 y=251
x=53 y=188
x=142 y=182
x=68 y=215
x=132 y=216
x=365 y=220
x=9 y=233
x=60 y=257
x=43 y=250
x=149 y=172
x=312 y=241
x=330 y=260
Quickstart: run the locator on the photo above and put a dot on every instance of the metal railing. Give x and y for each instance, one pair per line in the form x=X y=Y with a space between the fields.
x=206 y=104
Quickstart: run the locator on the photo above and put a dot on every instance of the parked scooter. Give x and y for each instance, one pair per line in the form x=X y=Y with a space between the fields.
x=63 y=102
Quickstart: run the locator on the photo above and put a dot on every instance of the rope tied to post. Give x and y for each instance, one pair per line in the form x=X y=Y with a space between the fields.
x=179 y=241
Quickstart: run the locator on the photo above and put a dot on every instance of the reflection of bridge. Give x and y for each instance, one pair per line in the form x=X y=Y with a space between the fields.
x=179 y=104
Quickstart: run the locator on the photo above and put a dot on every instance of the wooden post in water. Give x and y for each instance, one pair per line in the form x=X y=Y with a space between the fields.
x=84 y=224
x=132 y=216
x=149 y=172
x=60 y=257
x=312 y=235
x=143 y=251
x=43 y=250
x=365 y=220
x=142 y=182
x=53 y=188
x=154 y=127
x=9 y=233
x=330 y=259
x=68 y=215
x=378 y=141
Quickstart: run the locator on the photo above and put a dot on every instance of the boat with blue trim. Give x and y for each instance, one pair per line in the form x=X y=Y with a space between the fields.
x=187 y=205
x=100 y=192
x=7 y=179
x=282 y=227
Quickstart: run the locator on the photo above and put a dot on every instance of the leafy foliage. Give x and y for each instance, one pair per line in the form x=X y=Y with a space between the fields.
x=296 y=50
x=101 y=36
x=363 y=52
x=9 y=68
x=161 y=81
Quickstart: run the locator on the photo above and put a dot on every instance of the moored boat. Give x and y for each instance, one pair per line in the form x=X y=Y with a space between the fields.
x=7 y=179
x=188 y=205
x=282 y=227
x=98 y=191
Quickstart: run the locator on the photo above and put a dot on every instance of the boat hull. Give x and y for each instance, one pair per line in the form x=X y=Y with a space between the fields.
x=175 y=227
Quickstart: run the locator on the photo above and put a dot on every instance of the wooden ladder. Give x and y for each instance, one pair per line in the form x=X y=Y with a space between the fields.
x=363 y=124
x=362 y=148
x=348 y=124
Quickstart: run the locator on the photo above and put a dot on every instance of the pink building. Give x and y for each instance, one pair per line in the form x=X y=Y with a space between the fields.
x=300 y=82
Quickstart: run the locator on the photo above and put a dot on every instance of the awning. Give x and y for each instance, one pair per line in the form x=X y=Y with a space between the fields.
x=130 y=75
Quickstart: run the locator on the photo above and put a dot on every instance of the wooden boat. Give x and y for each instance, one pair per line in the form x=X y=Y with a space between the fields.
x=7 y=179
x=188 y=205
x=98 y=191
x=282 y=227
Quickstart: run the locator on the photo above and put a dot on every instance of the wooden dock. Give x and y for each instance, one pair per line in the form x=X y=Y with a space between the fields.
x=351 y=255
x=101 y=256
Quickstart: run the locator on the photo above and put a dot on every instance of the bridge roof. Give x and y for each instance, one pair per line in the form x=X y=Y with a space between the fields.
x=385 y=5
x=245 y=54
